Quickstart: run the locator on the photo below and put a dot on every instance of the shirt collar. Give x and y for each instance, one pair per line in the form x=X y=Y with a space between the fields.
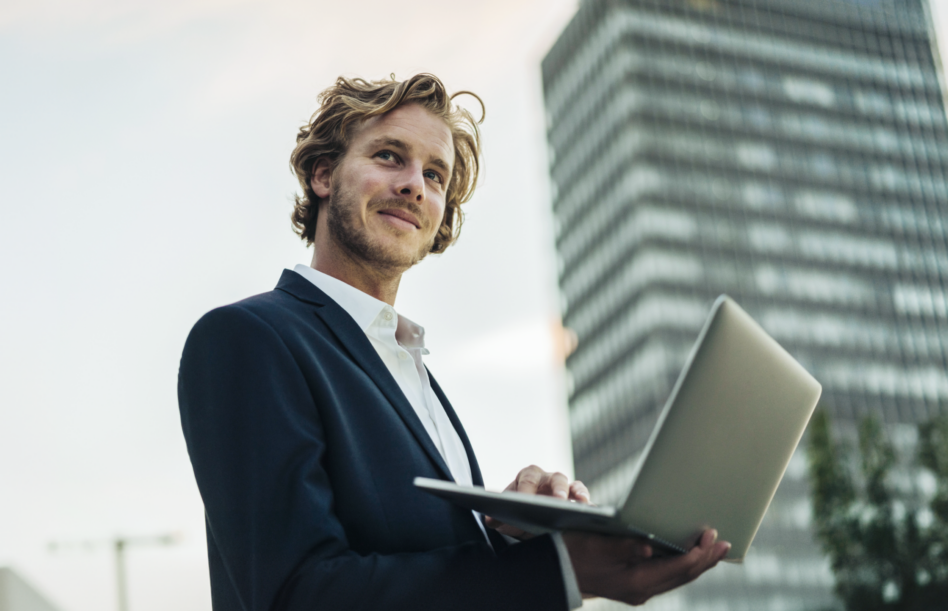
x=363 y=308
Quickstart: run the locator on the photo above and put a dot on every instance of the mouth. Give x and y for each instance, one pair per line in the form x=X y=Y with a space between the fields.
x=401 y=217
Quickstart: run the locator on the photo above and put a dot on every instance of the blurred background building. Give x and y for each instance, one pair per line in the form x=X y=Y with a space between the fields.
x=790 y=153
x=17 y=595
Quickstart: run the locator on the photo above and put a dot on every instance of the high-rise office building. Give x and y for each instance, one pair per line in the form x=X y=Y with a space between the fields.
x=17 y=595
x=790 y=153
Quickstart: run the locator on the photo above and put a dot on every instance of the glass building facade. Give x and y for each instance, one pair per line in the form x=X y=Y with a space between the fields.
x=790 y=153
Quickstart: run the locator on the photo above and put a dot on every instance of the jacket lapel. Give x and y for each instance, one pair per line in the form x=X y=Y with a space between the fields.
x=355 y=342
x=496 y=540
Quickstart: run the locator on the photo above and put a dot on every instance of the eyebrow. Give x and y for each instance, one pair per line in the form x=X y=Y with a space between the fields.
x=399 y=144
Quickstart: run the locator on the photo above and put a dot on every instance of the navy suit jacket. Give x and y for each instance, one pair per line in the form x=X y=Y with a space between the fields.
x=304 y=449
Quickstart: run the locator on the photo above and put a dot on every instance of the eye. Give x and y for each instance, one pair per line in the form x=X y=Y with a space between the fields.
x=385 y=155
x=432 y=175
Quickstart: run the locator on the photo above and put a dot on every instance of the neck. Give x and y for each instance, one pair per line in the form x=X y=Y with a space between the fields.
x=381 y=284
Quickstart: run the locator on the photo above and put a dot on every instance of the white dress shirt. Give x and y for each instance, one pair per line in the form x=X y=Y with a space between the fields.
x=400 y=343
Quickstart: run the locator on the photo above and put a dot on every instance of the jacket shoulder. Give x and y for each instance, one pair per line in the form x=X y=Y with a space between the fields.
x=274 y=309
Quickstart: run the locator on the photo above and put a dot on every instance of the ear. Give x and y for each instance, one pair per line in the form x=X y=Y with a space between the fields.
x=321 y=182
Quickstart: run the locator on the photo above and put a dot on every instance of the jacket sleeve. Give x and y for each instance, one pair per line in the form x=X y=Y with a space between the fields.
x=257 y=445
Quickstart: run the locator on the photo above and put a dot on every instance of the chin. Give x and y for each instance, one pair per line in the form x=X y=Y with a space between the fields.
x=402 y=249
x=381 y=246
x=385 y=253
x=408 y=257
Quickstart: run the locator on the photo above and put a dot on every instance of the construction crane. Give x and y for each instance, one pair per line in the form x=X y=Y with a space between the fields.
x=119 y=546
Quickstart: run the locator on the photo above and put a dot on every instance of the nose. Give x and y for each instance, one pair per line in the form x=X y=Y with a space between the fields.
x=411 y=184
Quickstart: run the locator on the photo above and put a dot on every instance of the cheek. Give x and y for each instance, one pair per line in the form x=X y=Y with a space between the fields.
x=365 y=183
x=374 y=179
x=374 y=184
x=436 y=212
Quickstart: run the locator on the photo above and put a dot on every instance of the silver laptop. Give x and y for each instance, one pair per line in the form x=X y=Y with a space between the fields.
x=714 y=459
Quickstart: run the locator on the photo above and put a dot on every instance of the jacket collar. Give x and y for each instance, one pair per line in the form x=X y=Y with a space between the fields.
x=355 y=342
x=301 y=288
x=362 y=307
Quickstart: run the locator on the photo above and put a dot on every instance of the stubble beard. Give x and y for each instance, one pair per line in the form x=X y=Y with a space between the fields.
x=344 y=229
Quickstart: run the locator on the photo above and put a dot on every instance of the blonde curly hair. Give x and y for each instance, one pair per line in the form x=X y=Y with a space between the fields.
x=348 y=103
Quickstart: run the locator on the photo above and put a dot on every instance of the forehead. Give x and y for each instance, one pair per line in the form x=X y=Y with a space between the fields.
x=427 y=134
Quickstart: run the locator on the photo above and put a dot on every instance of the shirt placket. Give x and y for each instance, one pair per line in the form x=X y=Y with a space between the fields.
x=460 y=470
x=407 y=362
x=456 y=460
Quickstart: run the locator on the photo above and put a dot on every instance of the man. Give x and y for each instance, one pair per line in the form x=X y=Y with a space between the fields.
x=308 y=410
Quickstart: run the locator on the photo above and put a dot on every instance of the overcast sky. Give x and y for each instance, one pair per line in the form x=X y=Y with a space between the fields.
x=145 y=181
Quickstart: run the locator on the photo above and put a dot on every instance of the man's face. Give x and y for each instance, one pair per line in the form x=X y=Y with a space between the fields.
x=387 y=195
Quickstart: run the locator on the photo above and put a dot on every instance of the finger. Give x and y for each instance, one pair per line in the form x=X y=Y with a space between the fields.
x=513 y=531
x=708 y=537
x=579 y=492
x=664 y=574
x=529 y=479
x=503 y=528
x=715 y=549
x=556 y=484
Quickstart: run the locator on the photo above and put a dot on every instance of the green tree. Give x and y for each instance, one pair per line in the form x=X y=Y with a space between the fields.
x=886 y=551
x=933 y=456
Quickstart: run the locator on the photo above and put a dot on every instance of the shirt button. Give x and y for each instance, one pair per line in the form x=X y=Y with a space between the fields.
x=402 y=355
x=388 y=316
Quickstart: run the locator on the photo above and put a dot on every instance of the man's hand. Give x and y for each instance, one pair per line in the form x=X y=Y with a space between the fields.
x=611 y=567
x=534 y=480
x=624 y=569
